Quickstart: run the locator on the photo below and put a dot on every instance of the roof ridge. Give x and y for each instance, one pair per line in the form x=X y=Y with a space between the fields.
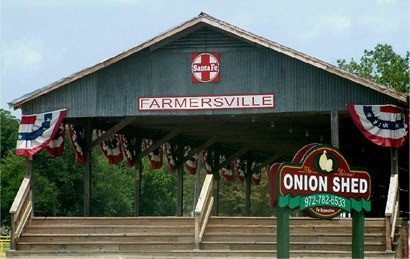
x=227 y=27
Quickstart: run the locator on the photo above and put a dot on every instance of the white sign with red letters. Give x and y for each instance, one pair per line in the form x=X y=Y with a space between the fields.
x=205 y=67
x=216 y=102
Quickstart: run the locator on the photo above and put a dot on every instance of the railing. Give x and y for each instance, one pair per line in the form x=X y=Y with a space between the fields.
x=20 y=211
x=392 y=210
x=203 y=209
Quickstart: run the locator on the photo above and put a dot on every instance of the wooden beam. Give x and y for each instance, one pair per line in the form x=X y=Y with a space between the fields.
x=267 y=162
x=180 y=184
x=197 y=180
x=334 y=127
x=215 y=168
x=248 y=184
x=117 y=127
x=87 y=170
x=137 y=190
x=196 y=150
x=158 y=143
x=235 y=155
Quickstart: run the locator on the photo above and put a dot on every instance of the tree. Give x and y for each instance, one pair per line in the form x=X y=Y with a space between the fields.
x=8 y=131
x=381 y=65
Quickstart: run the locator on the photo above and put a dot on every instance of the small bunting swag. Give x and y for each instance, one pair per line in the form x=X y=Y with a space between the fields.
x=111 y=148
x=130 y=147
x=256 y=176
x=170 y=151
x=156 y=156
x=77 y=135
x=208 y=160
x=226 y=170
x=192 y=162
x=56 y=146
x=238 y=168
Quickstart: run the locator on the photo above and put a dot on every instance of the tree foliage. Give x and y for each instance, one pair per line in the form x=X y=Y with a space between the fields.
x=381 y=65
x=8 y=131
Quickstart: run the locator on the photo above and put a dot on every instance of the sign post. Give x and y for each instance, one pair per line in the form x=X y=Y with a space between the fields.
x=319 y=182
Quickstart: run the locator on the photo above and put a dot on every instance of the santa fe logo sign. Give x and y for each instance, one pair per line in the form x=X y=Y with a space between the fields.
x=205 y=67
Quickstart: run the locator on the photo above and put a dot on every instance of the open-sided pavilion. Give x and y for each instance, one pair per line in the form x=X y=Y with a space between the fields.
x=265 y=102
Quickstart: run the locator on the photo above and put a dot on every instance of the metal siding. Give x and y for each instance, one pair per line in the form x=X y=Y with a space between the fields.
x=244 y=68
x=78 y=97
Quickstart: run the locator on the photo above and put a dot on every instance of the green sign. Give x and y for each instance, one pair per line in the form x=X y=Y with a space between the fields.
x=324 y=200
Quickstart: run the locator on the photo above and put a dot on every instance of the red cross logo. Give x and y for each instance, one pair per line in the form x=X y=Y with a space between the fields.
x=205 y=67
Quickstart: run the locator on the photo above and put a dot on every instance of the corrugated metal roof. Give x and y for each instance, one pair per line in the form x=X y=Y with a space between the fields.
x=197 y=22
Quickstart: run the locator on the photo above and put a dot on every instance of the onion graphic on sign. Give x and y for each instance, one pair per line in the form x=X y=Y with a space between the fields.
x=205 y=67
x=319 y=182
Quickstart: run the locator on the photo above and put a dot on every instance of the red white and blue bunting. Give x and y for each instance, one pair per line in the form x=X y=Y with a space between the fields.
x=226 y=170
x=256 y=175
x=208 y=159
x=156 y=156
x=170 y=151
x=192 y=162
x=37 y=130
x=130 y=147
x=77 y=139
x=238 y=166
x=47 y=131
x=111 y=148
x=56 y=146
x=384 y=125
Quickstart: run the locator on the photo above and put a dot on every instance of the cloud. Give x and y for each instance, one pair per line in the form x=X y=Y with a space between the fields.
x=27 y=54
x=332 y=24
x=22 y=53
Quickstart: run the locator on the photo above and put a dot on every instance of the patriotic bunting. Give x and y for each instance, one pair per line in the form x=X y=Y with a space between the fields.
x=56 y=146
x=111 y=148
x=192 y=162
x=156 y=156
x=170 y=151
x=77 y=139
x=130 y=147
x=225 y=170
x=239 y=171
x=37 y=130
x=384 y=125
x=256 y=176
x=208 y=160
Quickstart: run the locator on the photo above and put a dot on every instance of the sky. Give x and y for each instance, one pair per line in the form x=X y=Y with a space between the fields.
x=43 y=41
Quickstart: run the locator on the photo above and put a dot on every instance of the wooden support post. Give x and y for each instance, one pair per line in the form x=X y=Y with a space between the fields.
x=394 y=164
x=215 y=208
x=215 y=194
x=30 y=175
x=282 y=232
x=358 y=234
x=137 y=191
x=180 y=183
x=248 y=184
x=197 y=180
x=87 y=170
x=389 y=246
x=334 y=125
